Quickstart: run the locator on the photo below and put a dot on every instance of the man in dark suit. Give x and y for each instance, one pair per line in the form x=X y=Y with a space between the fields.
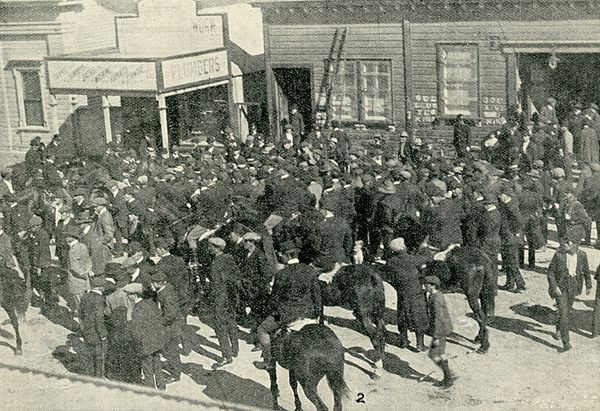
x=37 y=242
x=566 y=274
x=172 y=320
x=511 y=225
x=335 y=241
x=177 y=273
x=149 y=335
x=118 y=210
x=91 y=312
x=224 y=277
x=440 y=327
x=296 y=295
x=462 y=137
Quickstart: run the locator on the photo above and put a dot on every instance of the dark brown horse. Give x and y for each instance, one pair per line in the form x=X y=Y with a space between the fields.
x=470 y=270
x=309 y=355
x=11 y=292
x=360 y=288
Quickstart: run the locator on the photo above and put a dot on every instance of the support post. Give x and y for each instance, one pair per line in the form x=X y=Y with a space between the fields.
x=164 y=130
x=107 y=125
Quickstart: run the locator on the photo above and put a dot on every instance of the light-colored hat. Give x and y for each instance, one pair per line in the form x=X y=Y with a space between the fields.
x=397 y=244
x=35 y=221
x=387 y=187
x=217 y=242
x=251 y=236
x=142 y=179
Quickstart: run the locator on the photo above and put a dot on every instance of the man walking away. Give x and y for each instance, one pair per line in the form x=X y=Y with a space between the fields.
x=440 y=327
x=92 y=323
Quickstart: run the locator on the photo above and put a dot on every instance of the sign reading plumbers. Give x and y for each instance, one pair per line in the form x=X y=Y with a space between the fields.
x=195 y=69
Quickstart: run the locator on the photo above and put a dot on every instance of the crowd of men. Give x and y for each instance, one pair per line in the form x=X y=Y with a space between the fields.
x=143 y=237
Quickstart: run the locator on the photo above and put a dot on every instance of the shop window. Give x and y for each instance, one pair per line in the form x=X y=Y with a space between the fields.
x=362 y=92
x=458 y=75
x=30 y=101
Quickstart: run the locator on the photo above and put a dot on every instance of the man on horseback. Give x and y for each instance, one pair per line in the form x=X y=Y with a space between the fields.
x=295 y=295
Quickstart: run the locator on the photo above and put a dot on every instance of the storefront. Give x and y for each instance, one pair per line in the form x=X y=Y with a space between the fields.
x=168 y=79
x=419 y=64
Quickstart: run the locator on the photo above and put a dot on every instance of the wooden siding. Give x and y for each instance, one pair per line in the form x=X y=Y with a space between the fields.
x=307 y=45
x=90 y=28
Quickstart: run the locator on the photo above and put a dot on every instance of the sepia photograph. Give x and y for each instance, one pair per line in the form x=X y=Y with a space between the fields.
x=246 y=205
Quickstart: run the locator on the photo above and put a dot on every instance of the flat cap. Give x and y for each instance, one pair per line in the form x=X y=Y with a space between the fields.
x=35 y=220
x=217 y=242
x=432 y=279
x=397 y=244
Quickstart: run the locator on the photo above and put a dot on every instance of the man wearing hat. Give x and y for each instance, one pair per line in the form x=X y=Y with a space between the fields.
x=296 y=294
x=402 y=273
x=342 y=147
x=67 y=218
x=80 y=268
x=95 y=334
x=177 y=272
x=224 y=292
x=118 y=210
x=149 y=334
x=387 y=208
x=404 y=149
x=297 y=122
x=440 y=327
x=511 y=226
x=443 y=219
x=531 y=203
x=548 y=112
x=172 y=320
x=104 y=226
x=255 y=283
x=37 y=242
x=568 y=271
x=462 y=137
x=335 y=243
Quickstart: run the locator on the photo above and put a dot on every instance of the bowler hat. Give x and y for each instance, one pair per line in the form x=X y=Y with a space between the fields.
x=217 y=242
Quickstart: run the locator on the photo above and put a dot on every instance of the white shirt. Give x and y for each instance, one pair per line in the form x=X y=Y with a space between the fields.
x=10 y=186
x=572 y=264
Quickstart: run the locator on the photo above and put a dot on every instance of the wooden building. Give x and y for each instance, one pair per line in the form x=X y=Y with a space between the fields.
x=29 y=31
x=418 y=64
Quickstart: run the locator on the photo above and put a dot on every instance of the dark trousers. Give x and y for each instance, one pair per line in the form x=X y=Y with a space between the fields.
x=530 y=253
x=565 y=303
x=171 y=354
x=152 y=369
x=510 y=262
x=97 y=354
x=596 y=324
x=227 y=333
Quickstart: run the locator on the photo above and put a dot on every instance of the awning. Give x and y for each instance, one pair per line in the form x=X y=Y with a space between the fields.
x=115 y=74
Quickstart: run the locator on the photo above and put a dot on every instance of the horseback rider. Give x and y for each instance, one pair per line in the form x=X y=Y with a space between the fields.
x=295 y=295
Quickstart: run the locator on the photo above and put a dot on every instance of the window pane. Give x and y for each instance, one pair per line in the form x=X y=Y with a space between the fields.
x=459 y=80
x=377 y=92
x=32 y=98
x=34 y=113
x=31 y=85
x=344 y=96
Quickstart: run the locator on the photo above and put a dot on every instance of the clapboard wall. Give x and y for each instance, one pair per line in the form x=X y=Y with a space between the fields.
x=302 y=45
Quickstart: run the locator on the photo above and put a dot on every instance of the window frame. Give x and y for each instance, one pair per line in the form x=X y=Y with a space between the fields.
x=441 y=82
x=361 y=93
x=20 y=89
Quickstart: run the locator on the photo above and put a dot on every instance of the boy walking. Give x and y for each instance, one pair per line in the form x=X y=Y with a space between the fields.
x=440 y=326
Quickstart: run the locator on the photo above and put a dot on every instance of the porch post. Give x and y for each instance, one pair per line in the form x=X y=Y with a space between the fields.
x=164 y=130
x=107 y=125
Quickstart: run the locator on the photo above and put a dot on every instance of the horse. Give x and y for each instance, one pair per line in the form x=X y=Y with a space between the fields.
x=360 y=288
x=11 y=292
x=310 y=354
x=470 y=269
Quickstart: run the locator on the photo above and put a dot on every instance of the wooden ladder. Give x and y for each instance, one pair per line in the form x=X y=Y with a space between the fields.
x=331 y=71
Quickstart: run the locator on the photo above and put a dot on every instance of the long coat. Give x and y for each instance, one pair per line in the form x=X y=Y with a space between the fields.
x=402 y=272
x=296 y=293
x=146 y=327
x=91 y=312
x=439 y=318
x=590 y=150
x=443 y=224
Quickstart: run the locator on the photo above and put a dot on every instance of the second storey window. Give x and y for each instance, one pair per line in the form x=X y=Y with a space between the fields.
x=362 y=91
x=31 y=105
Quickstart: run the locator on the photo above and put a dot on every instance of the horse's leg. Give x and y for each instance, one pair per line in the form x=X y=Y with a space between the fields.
x=375 y=335
x=310 y=390
x=294 y=385
x=274 y=388
x=480 y=317
x=12 y=314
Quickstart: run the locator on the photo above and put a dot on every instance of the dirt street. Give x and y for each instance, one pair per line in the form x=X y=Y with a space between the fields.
x=523 y=369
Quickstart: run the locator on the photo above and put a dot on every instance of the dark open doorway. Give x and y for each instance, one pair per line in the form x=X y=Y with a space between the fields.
x=573 y=80
x=294 y=86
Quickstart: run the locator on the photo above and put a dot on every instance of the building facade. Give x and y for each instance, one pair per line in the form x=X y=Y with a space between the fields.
x=30 y=31
x=419 y=64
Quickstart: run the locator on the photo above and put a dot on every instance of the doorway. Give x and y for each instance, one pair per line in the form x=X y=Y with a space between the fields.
x=293 y=86
x=572 y=81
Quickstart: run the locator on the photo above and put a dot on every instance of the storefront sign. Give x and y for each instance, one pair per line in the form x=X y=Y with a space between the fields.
x=425 y=108
x=101 y=75
x=195 y=69
x=170 y=34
